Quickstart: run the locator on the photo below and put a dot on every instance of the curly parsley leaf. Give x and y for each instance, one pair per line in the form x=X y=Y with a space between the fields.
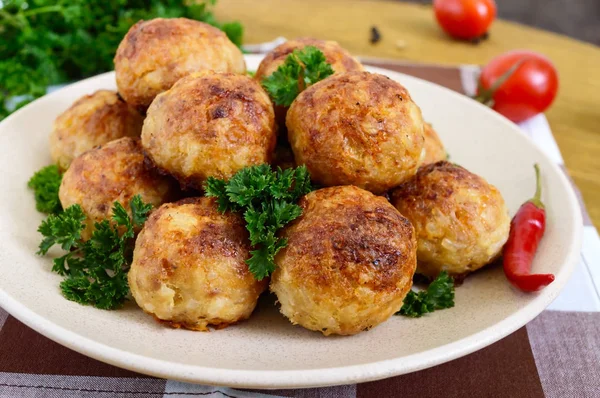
x=267 y=199
x=95 y=270
x=139 y=210
x=301 y=182
x=300 y=69
x=316 y=67
x=261 y=262
x=45 y=184
x=218 y=188
x=282 y=85
x=63 y=229
x=439 y=295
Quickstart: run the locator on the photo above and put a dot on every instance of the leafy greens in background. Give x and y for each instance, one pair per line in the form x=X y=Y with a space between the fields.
x=46 y=42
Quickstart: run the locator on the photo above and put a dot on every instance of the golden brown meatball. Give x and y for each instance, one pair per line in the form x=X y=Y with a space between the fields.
x=461 y=221
x=357 y=128
x=189 y=266
x=434 y=149
x=209 y=124
x=154 y=54
x=348 y=264
x=339 y=59
x=92 y=120
x=113 y=172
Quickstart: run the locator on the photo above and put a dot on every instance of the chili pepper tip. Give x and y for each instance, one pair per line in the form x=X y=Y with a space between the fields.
x=531 y=282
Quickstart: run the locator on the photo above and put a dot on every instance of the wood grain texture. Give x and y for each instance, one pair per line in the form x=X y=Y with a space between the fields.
x=574 y=117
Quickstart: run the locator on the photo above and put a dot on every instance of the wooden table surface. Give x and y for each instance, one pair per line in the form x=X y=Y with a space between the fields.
x=574 y=116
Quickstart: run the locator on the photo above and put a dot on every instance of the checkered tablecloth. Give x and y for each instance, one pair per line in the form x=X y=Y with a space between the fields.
x=556 y=355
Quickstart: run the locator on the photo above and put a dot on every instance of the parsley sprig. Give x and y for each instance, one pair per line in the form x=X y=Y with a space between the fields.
x=45 y=184
x=300 y=69
x=95 y=270
x=46 y=42
x=267 y=200
x=439 y=295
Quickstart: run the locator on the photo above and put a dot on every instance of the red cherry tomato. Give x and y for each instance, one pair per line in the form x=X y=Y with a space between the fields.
x=465 y=19
x=527 y=91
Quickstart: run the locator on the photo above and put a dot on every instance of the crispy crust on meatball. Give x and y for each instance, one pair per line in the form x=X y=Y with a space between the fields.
x=461 y=220
x=189 y=267
x=155 y=54
x=113 y=172
x=338 y=57
x=357 y=128
x=209 y=124
x=348 y=264
x=434 y=149
x=92 y=120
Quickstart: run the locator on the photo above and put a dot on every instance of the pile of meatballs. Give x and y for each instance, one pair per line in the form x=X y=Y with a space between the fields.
x=390 y=206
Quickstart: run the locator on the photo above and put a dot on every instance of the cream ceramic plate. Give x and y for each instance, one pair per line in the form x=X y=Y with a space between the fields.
x=267 y=351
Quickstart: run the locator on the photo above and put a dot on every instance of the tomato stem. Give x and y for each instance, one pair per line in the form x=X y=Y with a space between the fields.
x=486 y=95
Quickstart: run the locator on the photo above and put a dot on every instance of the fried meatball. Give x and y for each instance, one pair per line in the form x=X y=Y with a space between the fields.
x=209 y=124
x=339 y=59
x=113 y=172
x=92 y=120
x=357 y=128
x=348 y=264
x=189 y=266
x=434 y=149
x=461 y=220
x=155 y=54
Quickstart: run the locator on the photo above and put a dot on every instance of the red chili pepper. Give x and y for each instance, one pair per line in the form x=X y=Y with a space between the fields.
x=526 y=231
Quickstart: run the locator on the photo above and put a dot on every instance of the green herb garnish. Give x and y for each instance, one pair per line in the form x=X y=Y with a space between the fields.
x=46 y=42
x=300 y=69
x=439 y=295
x=45 y=184
x=95 y=271
x=267 y=199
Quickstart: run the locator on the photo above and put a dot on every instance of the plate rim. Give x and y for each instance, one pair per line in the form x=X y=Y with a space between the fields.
x=271 y=379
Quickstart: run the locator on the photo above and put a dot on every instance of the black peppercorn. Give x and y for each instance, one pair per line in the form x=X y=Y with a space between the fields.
x=375 y=35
